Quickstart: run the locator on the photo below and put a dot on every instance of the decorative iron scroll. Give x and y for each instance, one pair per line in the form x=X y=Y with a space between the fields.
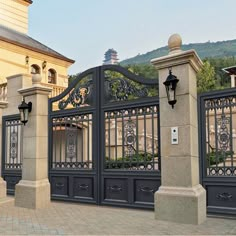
x=114 y=188
x=77 y=165
x=223 y=133
x=120 y=89
x=14 y=142
x=146 y=190
x=224 y=196
x=12 y=158
x=71 y=145
x=78 y=97
x=130 y=137
x=218 y=103
x=221 y=171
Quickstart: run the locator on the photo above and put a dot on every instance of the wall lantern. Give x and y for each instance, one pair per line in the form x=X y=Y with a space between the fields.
x=44 y=64
x=27 y=60
x=24 y=109
x=171 y=83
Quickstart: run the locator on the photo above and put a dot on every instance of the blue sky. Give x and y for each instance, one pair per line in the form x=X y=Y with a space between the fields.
x=84 y=29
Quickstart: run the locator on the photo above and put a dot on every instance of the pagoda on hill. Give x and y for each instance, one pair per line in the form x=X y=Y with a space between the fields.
x=110 y=57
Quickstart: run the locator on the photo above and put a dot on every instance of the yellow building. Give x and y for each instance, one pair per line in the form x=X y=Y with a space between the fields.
x=21 y=54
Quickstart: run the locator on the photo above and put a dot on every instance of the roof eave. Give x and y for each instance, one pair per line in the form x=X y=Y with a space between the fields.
x=37 y=50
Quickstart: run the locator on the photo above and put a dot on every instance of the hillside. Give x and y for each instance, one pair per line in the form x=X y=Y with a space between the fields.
x=209 y=49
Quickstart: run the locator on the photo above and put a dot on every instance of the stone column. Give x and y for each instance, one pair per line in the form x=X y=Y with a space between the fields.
x=33 y=191
x=180 y=198
x=3 y=190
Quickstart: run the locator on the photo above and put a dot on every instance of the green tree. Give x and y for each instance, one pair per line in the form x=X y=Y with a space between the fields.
x=206 y=78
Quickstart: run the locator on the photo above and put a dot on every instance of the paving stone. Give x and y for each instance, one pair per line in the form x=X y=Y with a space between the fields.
x=82 y=219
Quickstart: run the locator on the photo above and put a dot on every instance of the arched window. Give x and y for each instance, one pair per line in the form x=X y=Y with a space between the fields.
x=35 y=69
x=51 y=76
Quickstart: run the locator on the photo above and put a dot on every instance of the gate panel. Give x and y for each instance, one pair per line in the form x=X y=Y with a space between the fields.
x=103 y=139
x=218 y=150
x=130 y=171
x=72 y=147
x=12 y=151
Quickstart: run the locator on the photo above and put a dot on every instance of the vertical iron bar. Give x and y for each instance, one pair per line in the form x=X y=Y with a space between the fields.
x=82 y=139
x=123 y=138
x=88 y=140
x=137 y=137
x=230 y=134
x=224 y=153
x=10 y=157
x=115 y=114
x=153 y=156
x=145 y=137
x=60 y=135
x=216 y=135
x=109 y=136
x=17 y=140
x=208 y=145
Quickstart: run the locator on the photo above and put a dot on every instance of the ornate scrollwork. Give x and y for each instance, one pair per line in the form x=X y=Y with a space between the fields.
x=224 y=196
x=218 y=103
x=13 y=148
x=130 y=137
x=223 y=133
x=71 y=143
x=77 y=97
x=146 y=190
x=119 y=89
x=114 y=188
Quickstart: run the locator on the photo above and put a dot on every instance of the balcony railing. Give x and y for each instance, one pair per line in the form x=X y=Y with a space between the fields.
x=56 y=90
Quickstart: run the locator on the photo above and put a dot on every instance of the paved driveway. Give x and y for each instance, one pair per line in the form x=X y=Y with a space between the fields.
x=82 y=219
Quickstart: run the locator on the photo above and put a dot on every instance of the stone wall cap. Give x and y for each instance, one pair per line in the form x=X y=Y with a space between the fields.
x=178 y=58
x=35 y=89
x=18 y=75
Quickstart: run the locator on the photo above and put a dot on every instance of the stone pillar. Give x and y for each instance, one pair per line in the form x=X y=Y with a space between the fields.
x=180 y=198
x=33 y=191
x=3 y=190
x=232 y=81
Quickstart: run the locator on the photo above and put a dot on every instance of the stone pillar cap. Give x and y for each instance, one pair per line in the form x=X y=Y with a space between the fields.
x=174 y=43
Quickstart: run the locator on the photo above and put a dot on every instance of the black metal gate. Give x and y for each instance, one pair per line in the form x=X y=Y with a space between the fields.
x=104 y=139
x=217 y=122
x=11 y=151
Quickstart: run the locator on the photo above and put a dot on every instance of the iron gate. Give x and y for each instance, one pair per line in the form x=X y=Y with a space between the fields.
x=11 y=151
x=217 y=122
x=104 y=139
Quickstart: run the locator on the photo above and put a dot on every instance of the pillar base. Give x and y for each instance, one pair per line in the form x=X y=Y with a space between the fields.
x=180 y=204
x=32 y=194
x=3 y=189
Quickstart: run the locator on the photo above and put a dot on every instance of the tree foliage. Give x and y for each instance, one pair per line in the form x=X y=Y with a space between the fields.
x=210 y=77
x=206 y=78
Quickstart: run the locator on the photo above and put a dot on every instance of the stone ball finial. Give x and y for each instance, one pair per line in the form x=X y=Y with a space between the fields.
x=36 y=78
x=174 y=43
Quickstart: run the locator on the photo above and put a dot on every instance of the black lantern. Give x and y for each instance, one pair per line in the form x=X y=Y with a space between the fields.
x=24 y=109
x=171 y=83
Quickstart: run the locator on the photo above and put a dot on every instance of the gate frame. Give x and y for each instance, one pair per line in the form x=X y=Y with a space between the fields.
x=211 y=180
x=13 y=175
x=98 y=114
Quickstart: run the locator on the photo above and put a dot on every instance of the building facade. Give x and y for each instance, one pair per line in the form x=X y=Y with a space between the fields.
x=21 y=54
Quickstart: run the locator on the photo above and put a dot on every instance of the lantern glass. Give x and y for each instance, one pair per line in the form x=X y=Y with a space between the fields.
x=170 y=84
x=24 y=109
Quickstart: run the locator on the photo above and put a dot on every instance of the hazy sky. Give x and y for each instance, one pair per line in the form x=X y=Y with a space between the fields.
x=84 y=29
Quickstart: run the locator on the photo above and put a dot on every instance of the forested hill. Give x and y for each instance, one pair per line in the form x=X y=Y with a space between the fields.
x=209 y=49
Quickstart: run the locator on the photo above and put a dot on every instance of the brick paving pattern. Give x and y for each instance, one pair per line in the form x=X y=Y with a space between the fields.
x=82 y=219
